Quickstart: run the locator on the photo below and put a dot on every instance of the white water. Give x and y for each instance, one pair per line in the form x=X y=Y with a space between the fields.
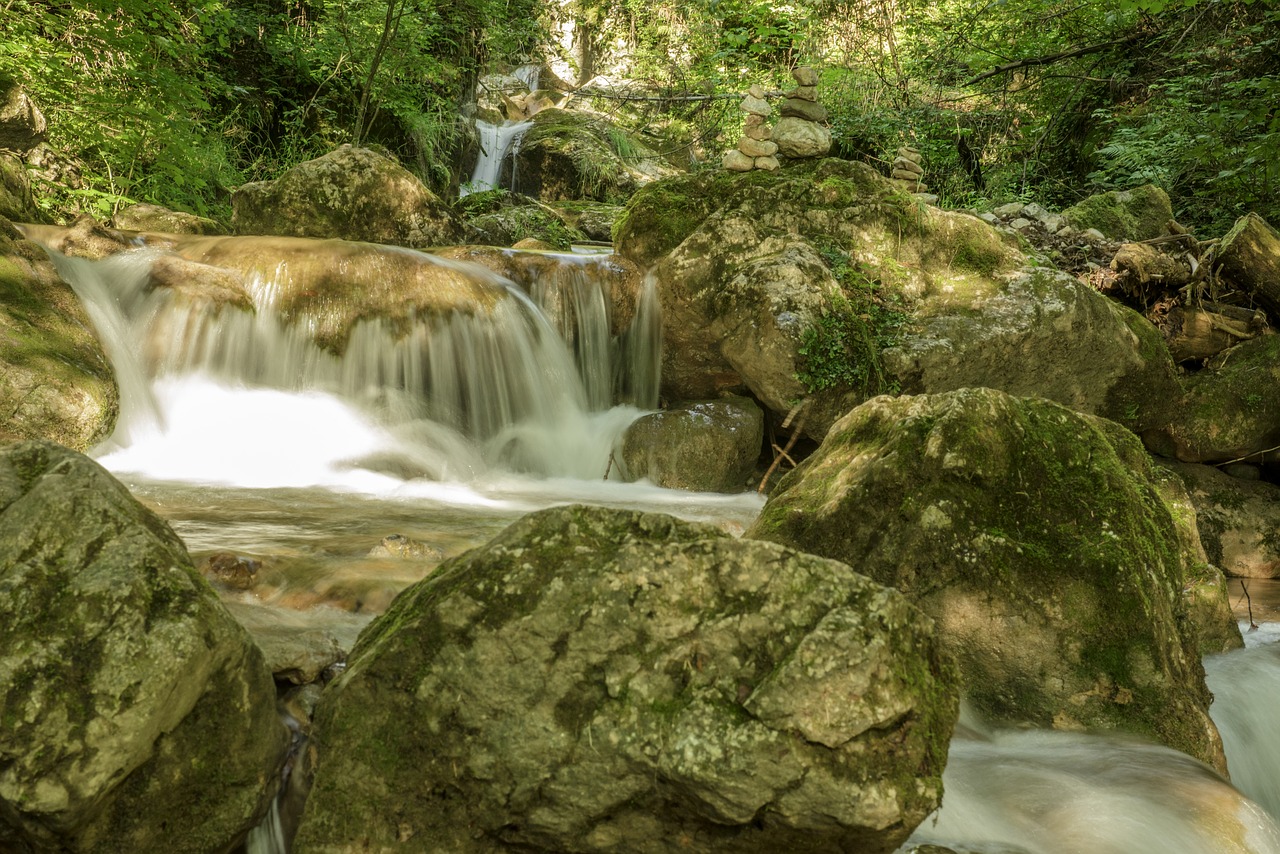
x=497 y=144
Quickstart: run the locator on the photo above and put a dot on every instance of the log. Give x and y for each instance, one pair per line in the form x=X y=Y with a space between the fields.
x=1199 y=334
x=1142 y=266
x=1249 y=257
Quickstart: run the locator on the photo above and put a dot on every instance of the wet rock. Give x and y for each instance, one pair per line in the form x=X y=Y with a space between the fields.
x=704 y=446
x=138 y=715
x=143 y=217
x=677 y=690
x=350 y=193
x=232 y=570
x=55 y=380
x=84 y=238
x=1035 y=536
x=503 y=218
x=405 y=548
x=299 y=646
x=594 y=219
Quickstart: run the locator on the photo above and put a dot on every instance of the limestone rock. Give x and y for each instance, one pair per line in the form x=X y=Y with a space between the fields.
x=138 y=715
x=804 y=93
x=55 y=380
x=800 y=108
x=799 y=138
x=1041 y=333
x=1137 y=214
x=768 y=164
x=144 y=217
x=755 y=106
x=756 y=148
x=351 y=193
x=902 y=164
x=804 y=75
x=593 y=219
x=300 y=646
x=735 y=161
x=908 y=153
x=905 y=175
x=757 y=128
x=1038 y=540
x=676 y=690
x=503 y=218
x=1238 y=520
x=1008 y=211
x=16 y=201
x=22 y=125
x=401 y=547
x=704 y=446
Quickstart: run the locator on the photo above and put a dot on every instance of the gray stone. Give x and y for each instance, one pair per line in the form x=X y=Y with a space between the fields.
x=905 y=175
x=1032 y=210
x=755 y=106
x=22 y=125
x=1020 y=224
x=1093 y=235
x=904 y=165
x=768 y=164
x=138 y=715
x=1053 y=223
x=735 y=161
x=799 y=108
x=989 y=218
x=799 y=138
x=351 y=193
x=757 y=148
x=1239 y=520
x=756 y=91
x=704 y=446
x=16 y=201
x=1008 y=211
x=757 y=127
x=1026 y=555
x=1138 y=214
x=606 y=680
x=804 y=75
x=804 y=93
x=299 y=646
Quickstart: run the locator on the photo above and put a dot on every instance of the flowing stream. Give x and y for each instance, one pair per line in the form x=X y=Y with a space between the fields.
x=250 y=437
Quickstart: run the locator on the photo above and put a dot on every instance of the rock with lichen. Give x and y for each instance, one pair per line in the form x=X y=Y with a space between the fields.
x=606 y=680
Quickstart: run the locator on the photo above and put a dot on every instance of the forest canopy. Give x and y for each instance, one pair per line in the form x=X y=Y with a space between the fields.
x=178 y=103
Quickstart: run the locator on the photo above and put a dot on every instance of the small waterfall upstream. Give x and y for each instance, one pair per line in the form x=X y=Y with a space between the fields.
x=498 y=143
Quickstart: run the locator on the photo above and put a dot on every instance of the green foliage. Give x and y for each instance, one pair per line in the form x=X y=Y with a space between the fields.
x=842 y=349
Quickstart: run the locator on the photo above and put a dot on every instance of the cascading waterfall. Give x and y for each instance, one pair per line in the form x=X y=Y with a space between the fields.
x=438 y=396
x=498 y=143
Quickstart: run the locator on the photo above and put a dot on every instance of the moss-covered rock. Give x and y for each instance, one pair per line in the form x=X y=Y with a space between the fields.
x=705 y=446
x=16 y=201
x=1041 y=333
x=143 y=217
x=350 y=193
x=570 y=154
x=135 y=714
x=594 y=219
x=604 y=680
x=1239 y=520
x=55 y=380
x=1137 y=214
x=503 y=218
x=1038 y=540
x=22 y=125
x=1231 y=408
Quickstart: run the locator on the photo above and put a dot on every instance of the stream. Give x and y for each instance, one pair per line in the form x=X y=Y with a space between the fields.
x=307 y=470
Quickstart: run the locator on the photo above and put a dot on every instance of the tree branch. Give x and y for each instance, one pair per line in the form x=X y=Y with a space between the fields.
x=1049 y=59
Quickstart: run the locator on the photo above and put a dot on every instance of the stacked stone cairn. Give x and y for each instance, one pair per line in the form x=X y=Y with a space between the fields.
x=802 y=130
x=756 y=149
x=907 y=171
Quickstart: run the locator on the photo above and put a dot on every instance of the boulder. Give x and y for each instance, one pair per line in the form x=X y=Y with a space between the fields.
x=138 y=716
x=1137 y=214
x=1230 y=411
x=797 y=137
x=351 y=193
x=1239 y=520
x=704 y=446
x=803 y=108
x=55 y=380
x=22 y=125
x=1041 y=333
x=568 y=155
x=1038 y=540
x=503 y=218
x=16 y=201
x=607 y=680
x=143 y=217
x=593 y=219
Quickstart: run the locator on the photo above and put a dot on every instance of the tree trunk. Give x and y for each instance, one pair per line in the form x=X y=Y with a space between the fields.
x=1249 y=256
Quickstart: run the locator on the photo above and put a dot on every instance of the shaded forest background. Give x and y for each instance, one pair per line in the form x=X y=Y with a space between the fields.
x=178 y=103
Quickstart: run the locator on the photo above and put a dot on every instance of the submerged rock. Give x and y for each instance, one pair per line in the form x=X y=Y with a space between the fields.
x=705 y=446
x=351 y=193
x=1038 y=540
x=138 y=716
x=55 y=380
x=604 y=680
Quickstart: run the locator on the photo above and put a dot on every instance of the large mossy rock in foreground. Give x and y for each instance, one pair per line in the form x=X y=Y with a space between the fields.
x=351 y=193
x=1037 y=539
x=55 y=380
x=137 y=715
x=608 y=681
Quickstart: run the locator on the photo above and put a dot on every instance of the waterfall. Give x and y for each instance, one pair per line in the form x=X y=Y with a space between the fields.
x=497 y=144
x=1246 y=691
x=458 y=375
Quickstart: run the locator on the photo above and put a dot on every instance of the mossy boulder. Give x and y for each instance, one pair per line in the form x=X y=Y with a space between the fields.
x=1137 y=214
x=1041 y=333
x=1239 y=520
x=503 y=218
x=594 y=219
x=1038 y=540
x=144 y=217
x=22 y=125
x=704 y=446
x=135 y=714
x=1230 y=410
x=572 y=155
x=16 y=201
x=606 y=680
x=55 y=380
x=350 y=193
x=766 y=278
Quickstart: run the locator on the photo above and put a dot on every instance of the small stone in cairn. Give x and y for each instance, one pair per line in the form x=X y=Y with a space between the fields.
x=908 y=173
x=757 y=148
x=755 y=104
x=804 y=75
x=810 y=111
x=804 y=93
x=757 y=128
x=768 y=164
x=736 y=161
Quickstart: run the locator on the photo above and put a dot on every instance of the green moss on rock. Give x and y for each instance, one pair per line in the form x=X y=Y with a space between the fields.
x=1137 y=214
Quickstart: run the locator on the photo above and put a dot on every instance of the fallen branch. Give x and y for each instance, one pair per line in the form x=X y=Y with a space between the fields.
x=779 y=454
x=1048 y=59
